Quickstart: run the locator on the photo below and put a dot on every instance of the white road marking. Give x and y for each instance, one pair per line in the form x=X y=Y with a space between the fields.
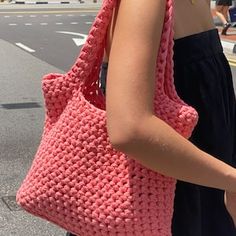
x=28 y=23
x=43 y=23
x=19 y=16
x=83 y=15
x=58 y=15
x=32 y=15
x=72 y=33
x=78 y=41
x=21 y=45
x=7 y=16
x=227 y=45
x=59 y=23
x=88 y=23
x=74 y=23
x=12 y=24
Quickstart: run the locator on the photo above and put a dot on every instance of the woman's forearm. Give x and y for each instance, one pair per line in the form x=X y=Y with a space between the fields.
x=158 y=147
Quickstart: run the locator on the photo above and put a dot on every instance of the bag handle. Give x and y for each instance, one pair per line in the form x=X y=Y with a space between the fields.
x=164 y=63
x=169 y=86
x=92 y=51
x=85 y=71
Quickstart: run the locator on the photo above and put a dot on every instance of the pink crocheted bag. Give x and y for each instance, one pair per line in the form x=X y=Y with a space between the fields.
x=77 y=180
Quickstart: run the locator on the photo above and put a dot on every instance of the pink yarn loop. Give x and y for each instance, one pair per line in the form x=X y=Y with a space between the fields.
x=77 y=180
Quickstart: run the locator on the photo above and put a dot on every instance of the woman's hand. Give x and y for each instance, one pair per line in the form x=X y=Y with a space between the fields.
x=230 y=203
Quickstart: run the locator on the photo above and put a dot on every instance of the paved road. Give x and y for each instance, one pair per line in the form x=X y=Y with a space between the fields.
x=51 y=35
x=30 y=47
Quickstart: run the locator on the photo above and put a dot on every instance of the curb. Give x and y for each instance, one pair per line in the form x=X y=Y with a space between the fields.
x=229 y=46
x=41 y=2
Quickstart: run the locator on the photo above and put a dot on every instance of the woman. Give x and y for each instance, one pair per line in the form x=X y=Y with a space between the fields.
x=207 y=185
x=222 y=9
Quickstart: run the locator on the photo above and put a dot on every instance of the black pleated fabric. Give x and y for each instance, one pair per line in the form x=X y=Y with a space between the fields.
x=203 y=79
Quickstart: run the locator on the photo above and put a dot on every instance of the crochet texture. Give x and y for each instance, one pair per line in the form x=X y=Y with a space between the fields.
x=77 y=180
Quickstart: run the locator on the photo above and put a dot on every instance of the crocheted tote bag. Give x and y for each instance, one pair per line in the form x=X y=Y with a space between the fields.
x=77 y=180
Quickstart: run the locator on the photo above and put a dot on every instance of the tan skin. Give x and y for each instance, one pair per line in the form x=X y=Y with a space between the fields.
x=131 y=73
x=184 y=11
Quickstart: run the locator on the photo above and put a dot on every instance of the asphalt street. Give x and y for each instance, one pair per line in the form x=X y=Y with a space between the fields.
x=33 y=42
x=54 y=36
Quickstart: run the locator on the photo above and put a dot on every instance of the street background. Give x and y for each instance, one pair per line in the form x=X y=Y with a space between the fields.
x=36 y=39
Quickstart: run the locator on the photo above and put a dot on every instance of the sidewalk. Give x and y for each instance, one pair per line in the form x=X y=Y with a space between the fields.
x=228 y=41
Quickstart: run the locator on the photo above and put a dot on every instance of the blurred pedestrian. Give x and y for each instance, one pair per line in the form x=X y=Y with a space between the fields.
x=222 y=11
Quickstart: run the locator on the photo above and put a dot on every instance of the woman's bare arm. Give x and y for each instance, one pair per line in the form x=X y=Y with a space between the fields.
x=132 y=126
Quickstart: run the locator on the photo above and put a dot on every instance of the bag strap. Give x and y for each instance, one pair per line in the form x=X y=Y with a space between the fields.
x=110 y=31
x=168 y=82
x=164 y=63
x=85 y=71
x=90 y=55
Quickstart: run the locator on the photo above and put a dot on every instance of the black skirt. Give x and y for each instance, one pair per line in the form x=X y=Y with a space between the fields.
x=203 y=79
x=223 y=2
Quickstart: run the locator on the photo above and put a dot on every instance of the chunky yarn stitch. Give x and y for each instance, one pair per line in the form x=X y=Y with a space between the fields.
x=77 y=180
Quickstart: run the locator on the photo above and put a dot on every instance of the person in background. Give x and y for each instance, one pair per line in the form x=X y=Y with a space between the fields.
x=222 y=10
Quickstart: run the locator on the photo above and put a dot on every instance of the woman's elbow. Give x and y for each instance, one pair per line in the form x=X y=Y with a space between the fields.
x=122 y=134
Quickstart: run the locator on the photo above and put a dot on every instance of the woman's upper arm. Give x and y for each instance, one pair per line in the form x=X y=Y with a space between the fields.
x=131 y=71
